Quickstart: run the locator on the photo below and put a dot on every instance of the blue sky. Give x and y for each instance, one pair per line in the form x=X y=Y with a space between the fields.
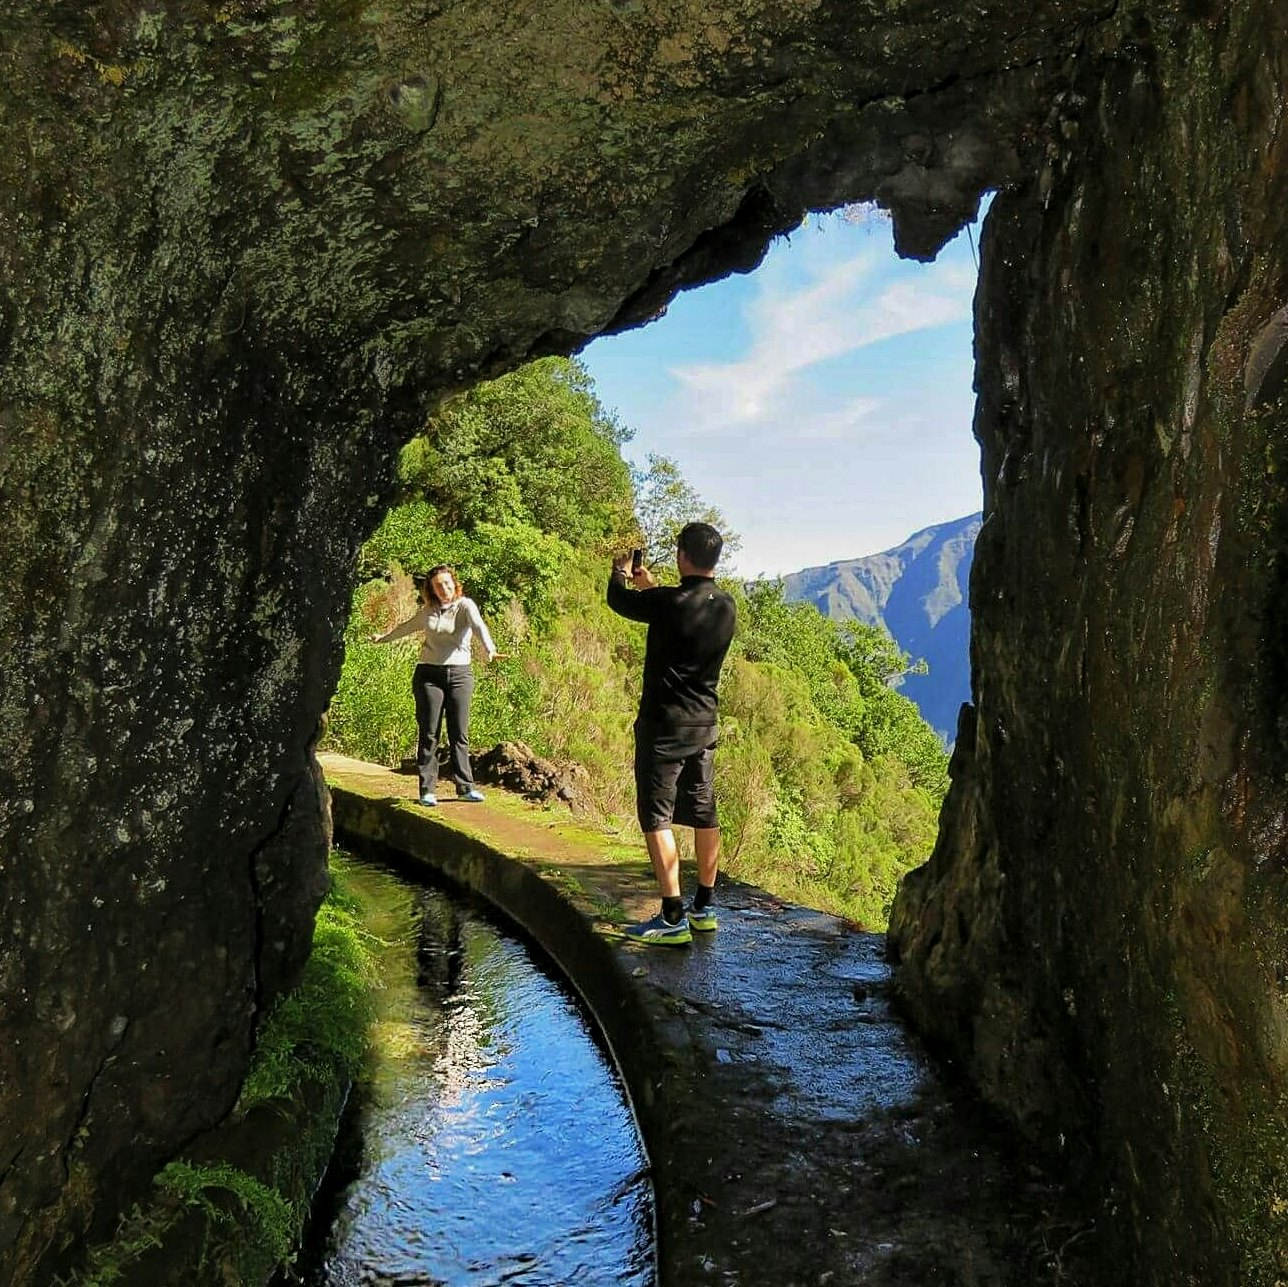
x=822 y=403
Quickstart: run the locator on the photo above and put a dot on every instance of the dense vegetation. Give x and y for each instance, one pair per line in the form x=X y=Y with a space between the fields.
x=829 y=781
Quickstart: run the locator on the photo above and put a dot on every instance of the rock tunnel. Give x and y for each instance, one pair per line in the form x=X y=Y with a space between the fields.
x=247 y=244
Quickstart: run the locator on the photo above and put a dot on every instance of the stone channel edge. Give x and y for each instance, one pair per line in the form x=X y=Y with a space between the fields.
x=656 y=1055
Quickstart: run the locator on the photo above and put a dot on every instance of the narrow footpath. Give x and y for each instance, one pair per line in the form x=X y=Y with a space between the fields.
x=797 y=1132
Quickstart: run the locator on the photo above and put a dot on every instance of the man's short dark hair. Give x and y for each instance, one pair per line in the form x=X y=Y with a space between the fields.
x=701 y=544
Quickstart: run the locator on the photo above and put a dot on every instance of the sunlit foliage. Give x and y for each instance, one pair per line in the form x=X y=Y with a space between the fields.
x=828 y=779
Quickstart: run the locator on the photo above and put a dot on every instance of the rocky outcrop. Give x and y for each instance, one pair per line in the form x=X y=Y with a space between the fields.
x=246 y=245
x=1100 y=934
x=516 y=767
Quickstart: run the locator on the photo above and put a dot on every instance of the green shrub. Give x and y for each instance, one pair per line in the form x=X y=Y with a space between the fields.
x=318 y=1031
x=372 y=715
x=494 y=562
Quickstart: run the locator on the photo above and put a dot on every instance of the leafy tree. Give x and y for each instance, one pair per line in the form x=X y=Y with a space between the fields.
x=665 y=501
x=533 y=447
x=496 y=563
x=848 y=667
x=804 y=812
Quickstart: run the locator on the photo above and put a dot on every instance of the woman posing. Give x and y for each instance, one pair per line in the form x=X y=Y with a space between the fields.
x=443 y=681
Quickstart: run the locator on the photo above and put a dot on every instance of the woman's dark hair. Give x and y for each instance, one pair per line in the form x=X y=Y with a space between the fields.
x=701 y=544
x=433 y=572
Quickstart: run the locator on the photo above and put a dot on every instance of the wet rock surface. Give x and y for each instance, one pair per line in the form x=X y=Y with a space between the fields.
x=832 y=1150
x=246 y=246
x=1100 y=935
x=799 y=1133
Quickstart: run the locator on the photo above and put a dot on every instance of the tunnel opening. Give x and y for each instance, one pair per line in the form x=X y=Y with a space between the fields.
x=823 y=404
x=818 y=410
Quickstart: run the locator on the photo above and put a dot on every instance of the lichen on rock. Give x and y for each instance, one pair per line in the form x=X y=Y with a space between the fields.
x=245 y=246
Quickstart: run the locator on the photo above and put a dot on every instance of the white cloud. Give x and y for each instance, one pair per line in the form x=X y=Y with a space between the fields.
x=795 y=327
x=840 y=422
x=823 y=404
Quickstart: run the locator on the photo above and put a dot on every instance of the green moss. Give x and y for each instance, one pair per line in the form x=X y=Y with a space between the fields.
x=1244 y=1141
x=248 y=1227
x=320 y=1029
x=1252 y=1181
x=139 y=1232
x=244 y=1226
x=599 y=908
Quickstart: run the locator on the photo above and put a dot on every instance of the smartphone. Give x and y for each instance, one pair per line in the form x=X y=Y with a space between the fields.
x=637 y=561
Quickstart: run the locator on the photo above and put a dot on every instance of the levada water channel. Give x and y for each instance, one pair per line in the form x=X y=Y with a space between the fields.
x=494 y=1143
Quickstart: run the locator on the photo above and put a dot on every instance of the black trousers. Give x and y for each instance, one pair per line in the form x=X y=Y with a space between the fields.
x=443 y=691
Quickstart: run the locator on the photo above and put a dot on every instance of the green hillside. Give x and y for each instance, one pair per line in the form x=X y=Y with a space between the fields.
x=918 y=592
x=829 y=782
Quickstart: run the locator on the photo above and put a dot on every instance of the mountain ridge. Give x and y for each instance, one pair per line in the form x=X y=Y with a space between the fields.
x=919 y=592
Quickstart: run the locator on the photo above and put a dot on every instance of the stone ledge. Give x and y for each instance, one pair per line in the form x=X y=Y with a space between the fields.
x=795 y=1129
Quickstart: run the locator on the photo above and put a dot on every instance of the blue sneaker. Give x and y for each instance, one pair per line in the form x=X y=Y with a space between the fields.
x=704 y=921
x=659 y=932
x=472 y=795
x=428 y=798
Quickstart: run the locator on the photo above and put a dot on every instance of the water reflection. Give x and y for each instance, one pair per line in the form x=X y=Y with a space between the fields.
x=494 y=1143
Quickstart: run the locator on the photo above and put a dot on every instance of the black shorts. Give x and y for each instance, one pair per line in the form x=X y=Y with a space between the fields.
x=673 y=776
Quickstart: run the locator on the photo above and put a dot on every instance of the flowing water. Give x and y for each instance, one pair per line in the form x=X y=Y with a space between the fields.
x=495 y=1143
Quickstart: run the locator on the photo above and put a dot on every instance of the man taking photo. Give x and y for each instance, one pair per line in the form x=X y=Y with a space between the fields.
x=690 y=627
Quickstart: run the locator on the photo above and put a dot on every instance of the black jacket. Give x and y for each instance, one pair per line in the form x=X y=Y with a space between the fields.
x=690 y=627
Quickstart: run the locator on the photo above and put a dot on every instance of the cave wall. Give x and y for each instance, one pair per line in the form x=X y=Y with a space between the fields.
x=245 y=245
x=1100 y=936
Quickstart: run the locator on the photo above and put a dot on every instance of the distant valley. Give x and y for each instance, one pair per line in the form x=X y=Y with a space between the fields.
x=919 y=592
